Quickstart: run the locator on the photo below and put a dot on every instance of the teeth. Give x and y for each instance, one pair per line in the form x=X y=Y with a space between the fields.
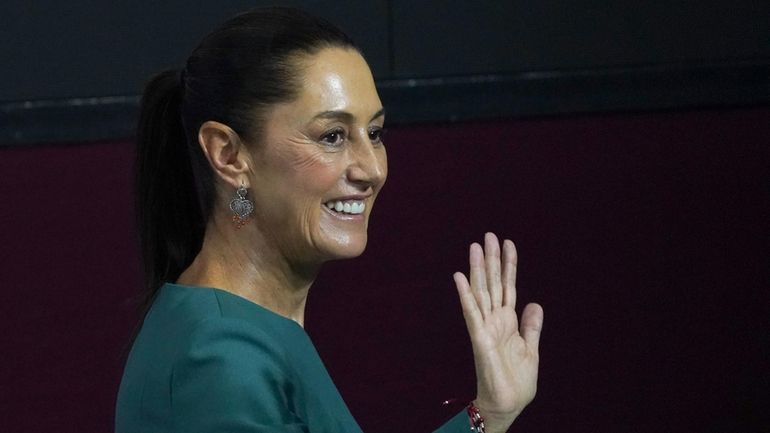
x=353 y=207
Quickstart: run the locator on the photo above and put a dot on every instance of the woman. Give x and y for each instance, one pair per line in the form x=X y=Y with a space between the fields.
x=257 y=163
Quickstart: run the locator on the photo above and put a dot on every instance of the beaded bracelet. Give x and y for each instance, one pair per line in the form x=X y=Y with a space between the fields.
x=476 y=420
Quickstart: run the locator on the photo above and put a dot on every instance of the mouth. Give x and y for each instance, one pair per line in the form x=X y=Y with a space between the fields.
x=346 y=208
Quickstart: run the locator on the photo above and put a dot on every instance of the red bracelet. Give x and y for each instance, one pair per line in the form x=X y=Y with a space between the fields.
x=476 y=420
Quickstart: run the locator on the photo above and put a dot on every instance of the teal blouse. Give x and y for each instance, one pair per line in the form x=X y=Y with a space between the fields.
x=209 y=361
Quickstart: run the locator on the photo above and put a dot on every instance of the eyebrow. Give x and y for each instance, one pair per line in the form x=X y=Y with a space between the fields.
x=344 y=115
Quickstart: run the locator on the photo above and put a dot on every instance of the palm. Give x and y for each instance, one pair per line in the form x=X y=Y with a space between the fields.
x=505 y=354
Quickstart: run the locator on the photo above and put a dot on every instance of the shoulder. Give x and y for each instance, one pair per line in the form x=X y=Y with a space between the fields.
x=191 y=328
x=231 y=368
x=227 y=346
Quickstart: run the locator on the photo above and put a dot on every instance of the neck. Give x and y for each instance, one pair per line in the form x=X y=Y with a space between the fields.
x=244 y=263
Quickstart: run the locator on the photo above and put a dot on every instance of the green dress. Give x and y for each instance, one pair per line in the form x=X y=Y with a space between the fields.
x=209 y=361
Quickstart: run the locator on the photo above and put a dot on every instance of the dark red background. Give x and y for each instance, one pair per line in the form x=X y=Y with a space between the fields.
x=644 y=236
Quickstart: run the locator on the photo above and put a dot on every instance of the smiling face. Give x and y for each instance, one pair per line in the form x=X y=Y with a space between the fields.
x=321 y=162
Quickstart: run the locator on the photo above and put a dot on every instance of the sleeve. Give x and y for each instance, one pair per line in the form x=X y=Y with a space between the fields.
x=457 y=424
x=232 y=377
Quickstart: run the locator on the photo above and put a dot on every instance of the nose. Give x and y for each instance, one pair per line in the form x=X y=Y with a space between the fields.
x=368 y=165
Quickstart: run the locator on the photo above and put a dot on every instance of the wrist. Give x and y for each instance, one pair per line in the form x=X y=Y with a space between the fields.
x=475 y=419
x=494 y=421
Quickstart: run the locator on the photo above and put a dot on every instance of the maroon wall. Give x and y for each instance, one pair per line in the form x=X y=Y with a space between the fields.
x=644 y=236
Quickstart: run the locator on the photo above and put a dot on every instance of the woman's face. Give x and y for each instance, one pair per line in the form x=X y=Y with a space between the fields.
x=321 y=162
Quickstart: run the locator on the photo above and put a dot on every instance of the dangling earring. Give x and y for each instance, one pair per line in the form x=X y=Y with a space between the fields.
x=241 y=207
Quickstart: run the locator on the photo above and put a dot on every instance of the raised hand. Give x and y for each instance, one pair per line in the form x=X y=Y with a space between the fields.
x=505 y=351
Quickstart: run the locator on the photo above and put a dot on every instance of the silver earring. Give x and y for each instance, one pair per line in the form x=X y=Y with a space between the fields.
x=241 y=207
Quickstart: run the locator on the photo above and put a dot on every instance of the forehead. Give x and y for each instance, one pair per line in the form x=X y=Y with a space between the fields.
x=338 y=79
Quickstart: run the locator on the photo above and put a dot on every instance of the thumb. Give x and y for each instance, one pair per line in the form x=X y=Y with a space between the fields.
x=532 y=325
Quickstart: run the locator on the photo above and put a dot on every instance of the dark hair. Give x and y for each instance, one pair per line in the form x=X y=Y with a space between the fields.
x=236 y=73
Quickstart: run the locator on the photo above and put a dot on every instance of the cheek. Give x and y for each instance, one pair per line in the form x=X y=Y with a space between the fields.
x=306 y=170
x=316 y=175
x=309 y=181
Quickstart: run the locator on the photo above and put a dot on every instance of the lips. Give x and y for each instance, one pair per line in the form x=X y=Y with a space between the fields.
x=350 y=207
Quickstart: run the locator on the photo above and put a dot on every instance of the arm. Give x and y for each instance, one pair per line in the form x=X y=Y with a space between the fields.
x=505 y=351
x=231 y=378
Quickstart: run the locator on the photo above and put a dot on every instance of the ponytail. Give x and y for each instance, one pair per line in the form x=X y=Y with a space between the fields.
x=169 y=218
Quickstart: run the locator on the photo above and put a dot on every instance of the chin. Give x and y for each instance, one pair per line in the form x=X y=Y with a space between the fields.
x=346 y=247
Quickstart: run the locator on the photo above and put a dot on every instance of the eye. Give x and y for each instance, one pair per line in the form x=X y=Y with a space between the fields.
x=333 y=138
x=375 y=135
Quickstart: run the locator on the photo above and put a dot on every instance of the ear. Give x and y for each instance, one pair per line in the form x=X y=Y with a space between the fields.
x=226 y=153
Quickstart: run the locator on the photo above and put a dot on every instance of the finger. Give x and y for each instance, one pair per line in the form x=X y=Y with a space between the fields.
x=478 y=278
x=510 y=264
x=532 y=325
x=492 y=262
x=471 y=312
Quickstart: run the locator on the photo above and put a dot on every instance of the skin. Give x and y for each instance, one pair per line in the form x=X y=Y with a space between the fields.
x=505 y=351
x=325 y=145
